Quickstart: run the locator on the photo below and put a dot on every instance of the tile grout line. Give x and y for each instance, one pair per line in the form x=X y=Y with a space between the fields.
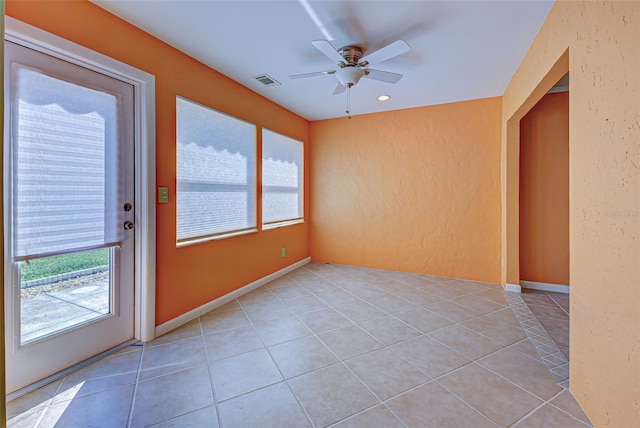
x=135 y=388
x=536 y=408
x=573 y=416
x=49 y=402
x=206 y=358
x=513 y=383
x=461 y=399
x=266 y=348
x=46 y=409
x=550 y=296
x=549 y=402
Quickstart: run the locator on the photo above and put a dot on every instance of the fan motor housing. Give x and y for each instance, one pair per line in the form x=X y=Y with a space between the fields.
x=351 y=54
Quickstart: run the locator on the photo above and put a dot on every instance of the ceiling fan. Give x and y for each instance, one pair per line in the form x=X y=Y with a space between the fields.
x=353 y=63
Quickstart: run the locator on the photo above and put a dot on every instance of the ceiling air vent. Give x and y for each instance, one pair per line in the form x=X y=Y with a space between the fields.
x=267 y=80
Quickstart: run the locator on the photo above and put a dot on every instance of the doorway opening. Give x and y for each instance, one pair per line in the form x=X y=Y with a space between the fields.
x=511 y=275
x=544 y=223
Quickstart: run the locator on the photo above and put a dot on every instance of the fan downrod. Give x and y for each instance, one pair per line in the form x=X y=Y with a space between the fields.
x=351 y=55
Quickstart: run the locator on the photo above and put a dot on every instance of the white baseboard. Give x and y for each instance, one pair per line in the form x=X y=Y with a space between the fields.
x=201 y=310
x=545 y=286
x=514 y=288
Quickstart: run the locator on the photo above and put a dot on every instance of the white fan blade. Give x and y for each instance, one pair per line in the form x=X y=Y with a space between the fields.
x=382 y=76
x=316 y=73
x=339 y=89
x=394 y=49
x=328 y=49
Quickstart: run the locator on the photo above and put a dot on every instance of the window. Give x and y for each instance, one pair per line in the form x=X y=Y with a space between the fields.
x=216 y=189
x=282 y=178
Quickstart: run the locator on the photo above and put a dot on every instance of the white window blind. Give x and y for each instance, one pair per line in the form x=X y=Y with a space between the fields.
x=67 y=191
x=282 y=178
x=216 y=172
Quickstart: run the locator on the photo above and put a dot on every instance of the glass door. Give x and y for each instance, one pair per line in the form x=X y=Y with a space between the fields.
x=69 y=210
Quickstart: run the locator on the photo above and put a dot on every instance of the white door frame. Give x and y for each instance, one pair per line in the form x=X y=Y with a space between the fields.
x=145 y=155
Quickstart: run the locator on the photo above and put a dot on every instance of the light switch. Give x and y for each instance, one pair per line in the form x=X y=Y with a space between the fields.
x=163 y=195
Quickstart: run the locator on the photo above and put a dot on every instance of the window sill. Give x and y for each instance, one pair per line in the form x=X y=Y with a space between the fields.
x=195 y=241
x=282 y=224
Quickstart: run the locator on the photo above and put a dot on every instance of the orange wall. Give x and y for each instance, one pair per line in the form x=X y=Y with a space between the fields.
x=544 y=191
x=190 y=276
x=413 y=190
x=599 y=43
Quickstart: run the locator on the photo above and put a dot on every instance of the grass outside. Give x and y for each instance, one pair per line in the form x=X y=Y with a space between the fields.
x=49 y=266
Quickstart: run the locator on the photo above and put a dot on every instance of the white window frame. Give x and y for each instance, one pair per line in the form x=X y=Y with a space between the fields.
x=289 y=222
x=145 y=155
x=231 y=233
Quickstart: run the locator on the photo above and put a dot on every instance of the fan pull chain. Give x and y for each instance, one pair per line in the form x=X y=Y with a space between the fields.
x=348 y=101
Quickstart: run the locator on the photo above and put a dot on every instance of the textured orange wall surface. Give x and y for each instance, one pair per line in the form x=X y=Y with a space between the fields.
x=602 y=42
x=544 y=191
x=190 y=276
x=413 y=190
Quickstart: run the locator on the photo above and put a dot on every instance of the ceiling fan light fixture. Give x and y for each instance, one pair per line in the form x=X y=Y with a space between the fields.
x=349 y=76
x=383 y=97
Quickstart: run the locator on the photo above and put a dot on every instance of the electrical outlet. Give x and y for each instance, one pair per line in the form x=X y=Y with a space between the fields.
x=163 y=195
x=283 y=252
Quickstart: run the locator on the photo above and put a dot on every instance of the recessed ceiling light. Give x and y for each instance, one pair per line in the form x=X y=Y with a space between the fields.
x=383 y=97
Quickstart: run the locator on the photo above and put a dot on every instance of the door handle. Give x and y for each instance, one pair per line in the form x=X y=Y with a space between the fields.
x=128 y=225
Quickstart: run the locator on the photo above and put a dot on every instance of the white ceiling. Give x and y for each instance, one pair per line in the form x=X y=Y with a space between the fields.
x=460 y=50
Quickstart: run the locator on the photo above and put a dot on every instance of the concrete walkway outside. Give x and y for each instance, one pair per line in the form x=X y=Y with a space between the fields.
x=52 y=311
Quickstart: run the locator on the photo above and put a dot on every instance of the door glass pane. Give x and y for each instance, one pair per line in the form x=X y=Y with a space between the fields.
x=62 y=292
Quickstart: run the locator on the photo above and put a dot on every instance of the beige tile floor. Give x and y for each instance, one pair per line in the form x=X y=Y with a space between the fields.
x=323 y=346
